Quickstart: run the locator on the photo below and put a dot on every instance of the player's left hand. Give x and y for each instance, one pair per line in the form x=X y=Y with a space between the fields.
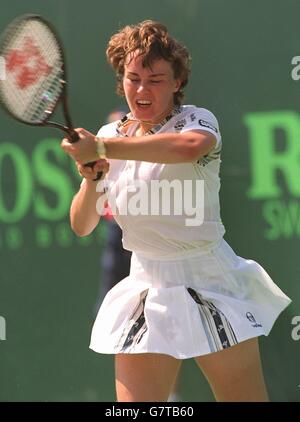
x=91 y=173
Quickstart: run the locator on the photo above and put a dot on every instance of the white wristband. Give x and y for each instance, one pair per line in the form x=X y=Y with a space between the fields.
x=101 y=150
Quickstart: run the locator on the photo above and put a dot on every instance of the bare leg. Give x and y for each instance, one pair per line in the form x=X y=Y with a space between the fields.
x=235 y=374
x=175 y=392
x=145 y=377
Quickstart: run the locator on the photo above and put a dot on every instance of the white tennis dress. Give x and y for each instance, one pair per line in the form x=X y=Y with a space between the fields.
x=188 y=293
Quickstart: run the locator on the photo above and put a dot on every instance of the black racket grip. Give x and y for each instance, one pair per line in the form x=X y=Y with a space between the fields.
x=99 y=173
x=74 y=137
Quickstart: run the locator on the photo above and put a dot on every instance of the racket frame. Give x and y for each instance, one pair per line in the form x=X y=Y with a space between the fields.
x=68 y=128
x=72 y=135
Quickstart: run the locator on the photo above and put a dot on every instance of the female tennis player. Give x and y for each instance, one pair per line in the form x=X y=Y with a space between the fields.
x=188 y=294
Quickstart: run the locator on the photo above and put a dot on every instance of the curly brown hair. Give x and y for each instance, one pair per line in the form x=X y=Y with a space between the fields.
x=153 y=42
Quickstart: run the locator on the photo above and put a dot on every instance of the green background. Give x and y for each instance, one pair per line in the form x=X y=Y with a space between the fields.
x=49 y=279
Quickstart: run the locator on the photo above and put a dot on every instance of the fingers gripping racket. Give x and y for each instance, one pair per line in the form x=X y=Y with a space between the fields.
x=36 y=78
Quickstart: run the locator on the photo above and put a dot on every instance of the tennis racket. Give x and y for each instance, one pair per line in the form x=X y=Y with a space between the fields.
x=36 y=80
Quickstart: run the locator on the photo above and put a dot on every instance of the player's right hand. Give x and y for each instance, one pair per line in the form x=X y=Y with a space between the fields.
x=91 y=173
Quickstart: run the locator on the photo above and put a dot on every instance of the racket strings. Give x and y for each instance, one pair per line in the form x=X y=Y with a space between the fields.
x=34 y=81
x=48 y=93
x=12 y=97
x=45 y=99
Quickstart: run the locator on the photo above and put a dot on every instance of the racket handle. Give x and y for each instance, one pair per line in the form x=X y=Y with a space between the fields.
x=74 y=137
x=91 y=164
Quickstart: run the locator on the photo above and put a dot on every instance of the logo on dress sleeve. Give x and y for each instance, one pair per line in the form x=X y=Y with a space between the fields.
x=193 y=117
x=252 y=320
x=180 y=125
x=204 y=123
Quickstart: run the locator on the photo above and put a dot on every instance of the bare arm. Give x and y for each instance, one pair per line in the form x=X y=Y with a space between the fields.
x=84 y=215
x=162 y=148
x=158 y=148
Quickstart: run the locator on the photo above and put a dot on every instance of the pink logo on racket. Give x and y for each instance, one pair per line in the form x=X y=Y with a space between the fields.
x=27 y=63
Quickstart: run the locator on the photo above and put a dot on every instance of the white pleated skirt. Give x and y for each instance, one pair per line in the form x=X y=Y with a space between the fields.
x=185 y=307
